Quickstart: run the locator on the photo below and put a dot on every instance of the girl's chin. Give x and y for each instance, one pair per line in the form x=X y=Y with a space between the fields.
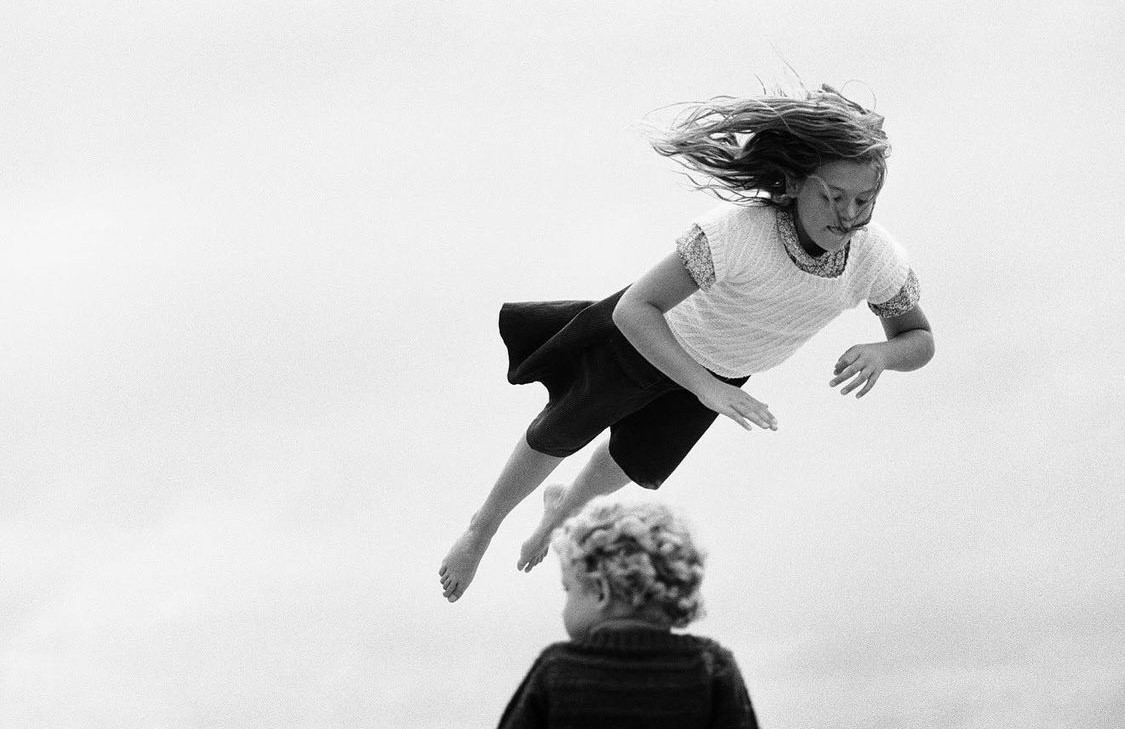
x=832 y=245
x=832 y=241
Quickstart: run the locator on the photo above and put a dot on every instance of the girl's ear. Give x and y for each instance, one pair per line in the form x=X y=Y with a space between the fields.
x=792 y=186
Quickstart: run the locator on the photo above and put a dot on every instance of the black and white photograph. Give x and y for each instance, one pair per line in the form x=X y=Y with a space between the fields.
x=568 y=364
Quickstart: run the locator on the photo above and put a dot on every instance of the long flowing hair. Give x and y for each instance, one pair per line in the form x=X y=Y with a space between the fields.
x=744 y=149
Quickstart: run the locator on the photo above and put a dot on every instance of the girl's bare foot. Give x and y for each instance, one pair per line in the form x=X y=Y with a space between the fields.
x=460 y=564
x=535 y=548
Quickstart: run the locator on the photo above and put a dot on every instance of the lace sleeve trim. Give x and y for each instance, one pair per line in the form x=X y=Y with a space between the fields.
x=902 y=302
x=695 y=252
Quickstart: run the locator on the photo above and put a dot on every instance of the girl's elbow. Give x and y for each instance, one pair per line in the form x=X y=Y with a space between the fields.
x=624 y=313
x=618 y=316
x=927 y=348
x=632 y=317
x=916 y=349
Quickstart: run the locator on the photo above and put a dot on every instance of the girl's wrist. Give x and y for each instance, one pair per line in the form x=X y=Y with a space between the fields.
x=701 y=385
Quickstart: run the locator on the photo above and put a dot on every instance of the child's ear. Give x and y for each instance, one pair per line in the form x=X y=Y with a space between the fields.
x=603 y=591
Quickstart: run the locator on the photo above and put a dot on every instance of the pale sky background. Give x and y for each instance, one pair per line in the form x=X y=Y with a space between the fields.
x=252 y=386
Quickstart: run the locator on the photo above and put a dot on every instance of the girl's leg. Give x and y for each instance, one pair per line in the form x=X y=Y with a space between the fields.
x=601 y=476
x=525 y=470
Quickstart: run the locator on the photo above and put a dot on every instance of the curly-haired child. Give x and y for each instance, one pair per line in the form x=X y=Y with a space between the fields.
x=631 y=573
x=749 y=283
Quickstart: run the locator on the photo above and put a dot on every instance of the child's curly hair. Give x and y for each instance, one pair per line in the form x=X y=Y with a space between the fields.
x=747 y=147
x=645 y=553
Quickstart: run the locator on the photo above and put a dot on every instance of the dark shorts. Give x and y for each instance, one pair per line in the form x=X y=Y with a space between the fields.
x=595 y=380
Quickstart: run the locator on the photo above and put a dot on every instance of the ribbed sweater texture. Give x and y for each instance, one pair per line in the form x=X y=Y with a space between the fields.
x=632 y=679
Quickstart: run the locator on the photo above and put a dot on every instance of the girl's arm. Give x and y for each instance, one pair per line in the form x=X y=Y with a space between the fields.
x=909 y=345
x=640 y=317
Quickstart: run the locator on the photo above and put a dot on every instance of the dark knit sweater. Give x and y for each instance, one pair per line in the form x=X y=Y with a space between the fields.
x=636 y=678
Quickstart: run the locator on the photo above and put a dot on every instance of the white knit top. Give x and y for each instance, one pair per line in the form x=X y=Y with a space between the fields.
x=762 y=296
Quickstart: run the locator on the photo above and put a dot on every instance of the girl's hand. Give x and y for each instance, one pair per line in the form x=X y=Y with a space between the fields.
x=863 y=361
x=737 y=405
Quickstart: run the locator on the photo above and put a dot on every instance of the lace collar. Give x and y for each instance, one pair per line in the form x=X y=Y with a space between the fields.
x=829 y=265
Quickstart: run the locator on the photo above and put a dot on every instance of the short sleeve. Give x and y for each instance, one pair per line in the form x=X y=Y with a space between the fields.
x=902 y=302
x=695 y=252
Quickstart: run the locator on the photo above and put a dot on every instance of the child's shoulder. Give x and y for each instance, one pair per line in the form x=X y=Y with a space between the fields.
x=553 y=655
x=554 y=650
x=706 y=644
x=717 y=657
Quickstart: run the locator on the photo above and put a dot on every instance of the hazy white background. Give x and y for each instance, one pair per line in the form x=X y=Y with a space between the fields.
x=251 y=386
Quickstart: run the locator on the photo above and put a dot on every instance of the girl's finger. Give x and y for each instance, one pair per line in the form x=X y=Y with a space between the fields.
x=867 y=387
x=750 y=414
x=845 y=360
x=761 y=418
x=737 y=417
x=843 y=375
x=749 y=405
x=854 y=383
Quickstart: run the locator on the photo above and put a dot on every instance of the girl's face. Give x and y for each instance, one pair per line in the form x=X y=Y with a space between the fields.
x=585 y=606
x=833 y=202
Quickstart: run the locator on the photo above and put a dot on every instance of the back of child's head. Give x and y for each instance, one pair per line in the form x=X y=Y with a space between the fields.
x=747 y=148
x=644 y=552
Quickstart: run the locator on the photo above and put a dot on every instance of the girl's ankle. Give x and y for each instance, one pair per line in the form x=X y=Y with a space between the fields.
x=481 y=527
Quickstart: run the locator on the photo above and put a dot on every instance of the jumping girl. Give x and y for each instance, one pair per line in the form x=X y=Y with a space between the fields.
x=791 y=248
